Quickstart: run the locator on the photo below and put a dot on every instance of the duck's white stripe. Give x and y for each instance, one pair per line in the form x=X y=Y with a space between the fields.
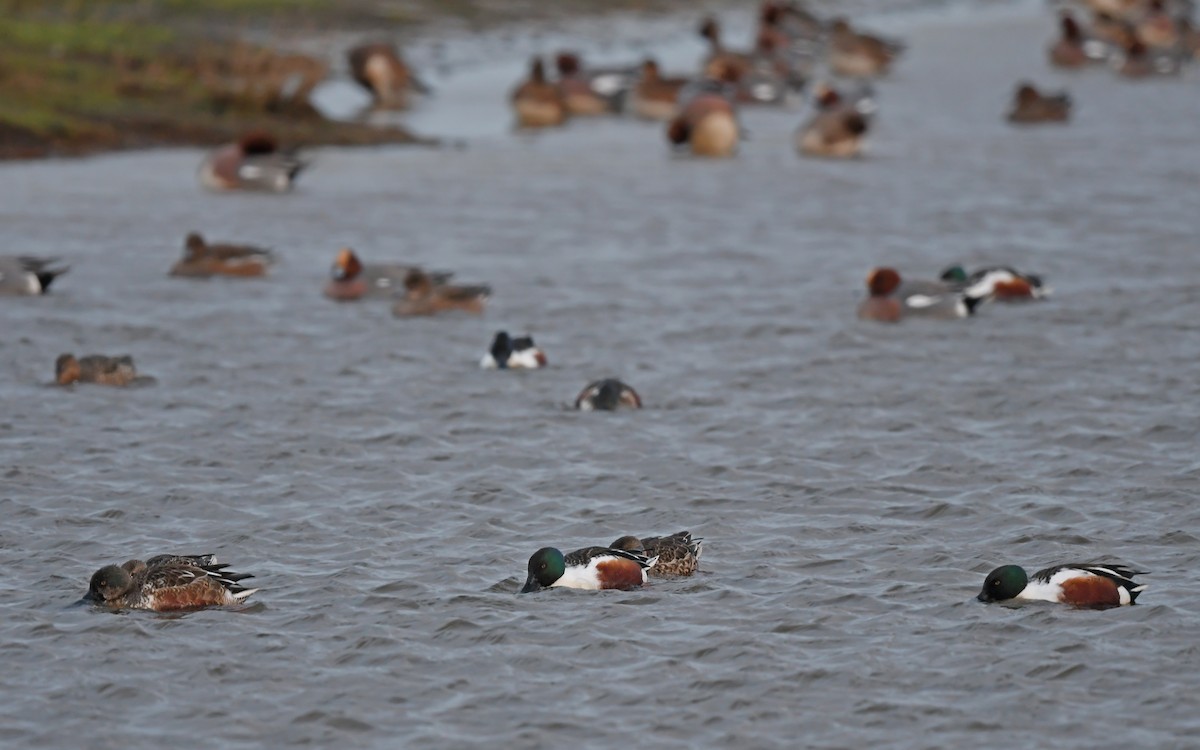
x=527 y=358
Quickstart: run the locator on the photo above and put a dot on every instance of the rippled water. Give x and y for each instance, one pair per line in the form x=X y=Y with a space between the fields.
x=853 y=482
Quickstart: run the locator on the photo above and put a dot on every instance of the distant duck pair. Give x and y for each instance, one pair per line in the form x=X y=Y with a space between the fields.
x=624 y=564
x=520 y=353
x=416 y=292
x=956 y=295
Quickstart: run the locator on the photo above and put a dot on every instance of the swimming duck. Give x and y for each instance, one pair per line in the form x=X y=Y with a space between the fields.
x=379 y=68
x=591 y=568
x=203 y=260
x=1031 y=106
x=608 y=394
x=95 y=368
x=1157 y=29
x=27 y=276
x=888 y=301
x=1002 y=282
x=676 y=555
x=721 y=62
x=857 y=55
x=1069 y=50
x=352 y=280
x=424 y=296
x=537 y=102
x=1083 y=585
x=513 y=354
x=654 y=97
x=167 y=583
x=707 y=124
x=253 y=163
x=1138 y=62
x=591 y=92
x=835 y=130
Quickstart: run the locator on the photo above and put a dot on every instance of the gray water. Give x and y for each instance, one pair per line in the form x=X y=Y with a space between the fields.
x=853 y=482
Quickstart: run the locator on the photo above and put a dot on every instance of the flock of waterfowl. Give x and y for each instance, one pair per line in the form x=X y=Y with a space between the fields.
x=1135 y=37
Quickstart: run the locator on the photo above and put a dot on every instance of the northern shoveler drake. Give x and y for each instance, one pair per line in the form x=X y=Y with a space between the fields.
x=592 y=91
x=1083 y=585
x=707 y=125
x=26 y=275
x=677 y=554
x=253 y=163
x=537 y=102
x=167 y=583
x=836 y=129
x=379 y=68
x=591 y=568
x=203 y=260
x=608 y=394
x=1069 y=51
x=95 y=368
x=424 y=296
x=1031 y=106
x=857 y=55
x=655 y=97
x=1003 y=282
x=351 y=279
x=513 y=354
x=889 y=301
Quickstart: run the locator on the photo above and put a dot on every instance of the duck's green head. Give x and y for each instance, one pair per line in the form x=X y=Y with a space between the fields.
x=108 y=583
x=1003 y=583
x=956 y=274
x=545 y=567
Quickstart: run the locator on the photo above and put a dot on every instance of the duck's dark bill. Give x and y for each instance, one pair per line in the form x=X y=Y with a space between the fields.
x=531 y=584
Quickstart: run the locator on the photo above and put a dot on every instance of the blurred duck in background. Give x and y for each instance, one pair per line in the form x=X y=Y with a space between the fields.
x=424 y=296
x=203 y=260
x=351 y=279
x=1030 y=106
x=28 y=276
x=857 y=55
x=654 y=97
x=379 y=68
x=537 y=102
x=507 y=353
x=589 y=91
x=255 y=162
x=837 y=127
x=1069 y=50
x=706 y=124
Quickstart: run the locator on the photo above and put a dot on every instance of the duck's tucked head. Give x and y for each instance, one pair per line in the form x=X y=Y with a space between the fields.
x=1026 y=93
x=567 y=63
x=1003 y=583
x=955 y=274
x=108 y=583
x=258 y=143
x=629 y=544
x=882 y=281
x=346 y=266
x=193 y=246
x=66 y=369
x=545 y=567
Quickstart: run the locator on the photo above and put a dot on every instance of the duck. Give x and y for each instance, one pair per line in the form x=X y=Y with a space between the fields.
x=350 y=279
x=590 y=568
x=379 y=68
x=1031 y=106
x=591 y=92
x=255 y=162
x=721 y=62
x=1157 y=29
x=835 y=130
x=203 y=260
x=424 y=296
x=655 y=97
x=1079 y=584
x=95 y=368
x=27 y=275
x=1002 y=282
x=857 y=55
x=706 y=124
x=168 y=583
x=1136 y=61
x=508 y=353
x=1069 y=50
x=677 y=554
x=537 y=102
x=889 y=301
x=608 y=394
